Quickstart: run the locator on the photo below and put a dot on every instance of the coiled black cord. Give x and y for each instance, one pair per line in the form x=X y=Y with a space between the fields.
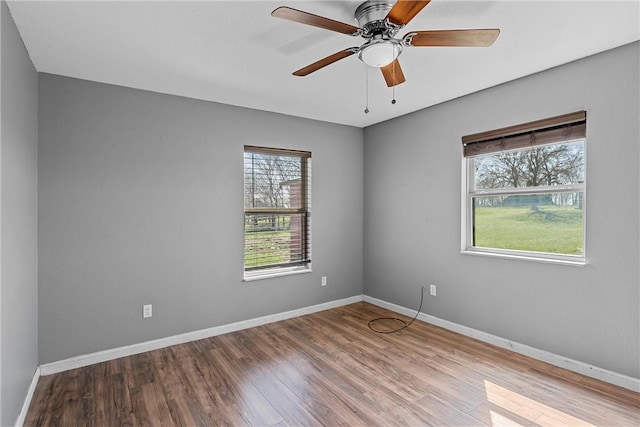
x=405 y=324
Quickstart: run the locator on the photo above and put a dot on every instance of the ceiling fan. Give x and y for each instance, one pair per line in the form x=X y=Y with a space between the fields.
x=379 y=21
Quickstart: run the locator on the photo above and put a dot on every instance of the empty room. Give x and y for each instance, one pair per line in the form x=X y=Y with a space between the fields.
x=292 y=213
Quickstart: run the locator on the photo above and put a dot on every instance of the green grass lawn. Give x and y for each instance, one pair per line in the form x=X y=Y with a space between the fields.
x=267 y=247
x=551 y=229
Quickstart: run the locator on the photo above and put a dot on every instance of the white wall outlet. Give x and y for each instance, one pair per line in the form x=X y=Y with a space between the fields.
x=147 y=311
x=432 y=290
x=324 y=281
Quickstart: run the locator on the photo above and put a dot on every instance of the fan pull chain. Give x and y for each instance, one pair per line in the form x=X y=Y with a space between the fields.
x=366 y=80
x=393 y=88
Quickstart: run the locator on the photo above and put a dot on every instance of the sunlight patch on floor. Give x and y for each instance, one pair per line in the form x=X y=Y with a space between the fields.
x=498 y=419
x=525 y=407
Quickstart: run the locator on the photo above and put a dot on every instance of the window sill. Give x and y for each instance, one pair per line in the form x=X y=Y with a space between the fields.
x=275 y=273
x=578 y=262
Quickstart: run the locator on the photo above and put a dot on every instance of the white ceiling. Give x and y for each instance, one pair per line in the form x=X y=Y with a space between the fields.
x=234 y=52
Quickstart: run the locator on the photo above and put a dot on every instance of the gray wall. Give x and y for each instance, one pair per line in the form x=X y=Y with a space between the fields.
x=19 y=245
x=412 y=217
x=141 y=202
x=141 y=198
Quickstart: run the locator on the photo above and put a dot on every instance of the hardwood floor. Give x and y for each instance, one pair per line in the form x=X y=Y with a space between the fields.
x=329 y=369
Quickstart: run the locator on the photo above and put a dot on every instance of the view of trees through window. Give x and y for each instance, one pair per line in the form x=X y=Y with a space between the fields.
x=267 y=180
x=276 y=209
x=530 y=199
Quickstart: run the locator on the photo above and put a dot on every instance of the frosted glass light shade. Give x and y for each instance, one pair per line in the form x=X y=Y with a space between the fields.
x=380 y=53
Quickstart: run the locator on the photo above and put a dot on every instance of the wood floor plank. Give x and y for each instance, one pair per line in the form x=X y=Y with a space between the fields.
x=41 y=407
x=156 y=405
x=251 y=403
x=255 y=366
x=329 y=368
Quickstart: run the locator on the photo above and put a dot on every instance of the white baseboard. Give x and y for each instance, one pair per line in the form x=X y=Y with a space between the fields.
x=106 y=355
x=27 y=401
x=545 y=356
x=542 y=355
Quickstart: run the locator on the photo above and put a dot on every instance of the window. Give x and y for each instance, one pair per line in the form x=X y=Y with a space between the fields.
x=277 y=217
x=524 y=190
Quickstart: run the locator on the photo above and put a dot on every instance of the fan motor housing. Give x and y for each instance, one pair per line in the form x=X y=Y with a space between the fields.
x=371 y=16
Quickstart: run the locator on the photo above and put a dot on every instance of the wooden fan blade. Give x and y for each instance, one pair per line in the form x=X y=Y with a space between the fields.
x=393 y=74
x=325 y=61
x=302 y=17
x=469 y=38
x=405 y=10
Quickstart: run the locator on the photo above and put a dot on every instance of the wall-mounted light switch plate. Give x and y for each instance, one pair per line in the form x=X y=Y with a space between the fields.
x=147 y=311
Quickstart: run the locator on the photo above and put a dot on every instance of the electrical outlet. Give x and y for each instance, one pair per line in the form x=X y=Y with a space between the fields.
x=432 y=290
x=324 y=281
x=147 y=311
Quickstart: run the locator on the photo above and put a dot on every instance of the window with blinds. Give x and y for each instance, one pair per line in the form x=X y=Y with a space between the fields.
x=524 y=192
x=277 y=215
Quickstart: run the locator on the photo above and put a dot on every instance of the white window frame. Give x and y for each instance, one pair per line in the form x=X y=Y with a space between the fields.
x=468 y=193
x=271 y=272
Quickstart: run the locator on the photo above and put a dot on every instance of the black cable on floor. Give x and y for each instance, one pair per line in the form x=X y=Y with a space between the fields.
x=405 y=324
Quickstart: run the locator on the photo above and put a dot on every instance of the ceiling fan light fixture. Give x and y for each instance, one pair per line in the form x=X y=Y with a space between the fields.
x=378 y=23
x=378 y=53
